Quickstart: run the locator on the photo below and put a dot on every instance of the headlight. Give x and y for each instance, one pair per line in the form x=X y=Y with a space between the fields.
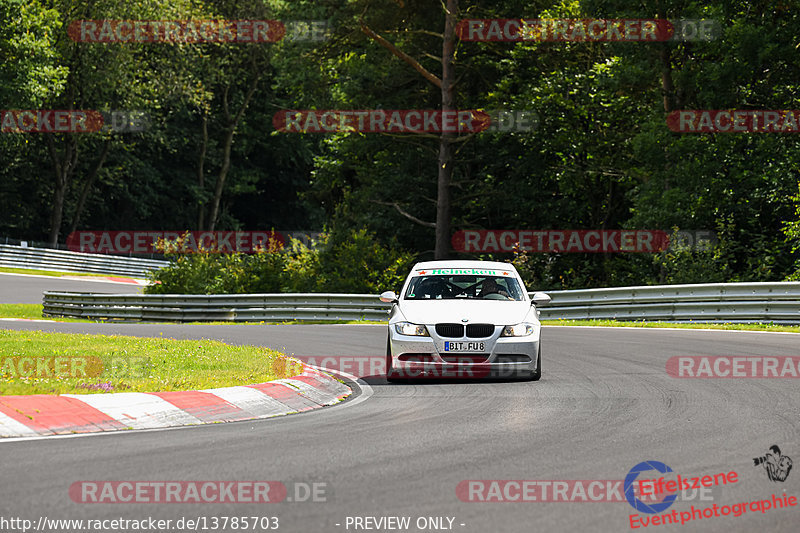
x=407 y=328
x=517 y=330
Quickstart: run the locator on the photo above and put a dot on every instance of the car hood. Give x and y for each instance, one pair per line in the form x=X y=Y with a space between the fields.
x=454 y=311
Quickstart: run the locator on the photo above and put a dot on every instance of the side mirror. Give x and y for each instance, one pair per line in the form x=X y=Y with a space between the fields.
x=391 y=297
x=540 y=298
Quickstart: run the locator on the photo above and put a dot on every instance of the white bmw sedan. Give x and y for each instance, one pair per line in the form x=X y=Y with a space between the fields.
x=463 y=319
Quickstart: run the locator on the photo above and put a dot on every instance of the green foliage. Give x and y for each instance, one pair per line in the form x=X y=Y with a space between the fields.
x=351 y=262
x=792 y=231
x=684 y=264
x=211 y=272
x=601 y=156
x=29 y=64
x=354 y=262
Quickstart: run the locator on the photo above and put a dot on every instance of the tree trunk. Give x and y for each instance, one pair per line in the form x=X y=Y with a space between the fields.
x=446 y=159
x=58 y=212
x=62 y=173
x=201 y=179
x=221 y=177
x=231 y=122
x=668 y=88
x=87 y=186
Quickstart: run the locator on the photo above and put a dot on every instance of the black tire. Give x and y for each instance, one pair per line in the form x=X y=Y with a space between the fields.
x=537 y=374
x=389 y=370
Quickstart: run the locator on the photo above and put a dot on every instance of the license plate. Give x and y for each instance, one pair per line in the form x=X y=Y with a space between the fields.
x=450 y=346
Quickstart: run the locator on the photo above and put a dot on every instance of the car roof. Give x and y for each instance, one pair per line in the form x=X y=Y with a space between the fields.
x=464 y=263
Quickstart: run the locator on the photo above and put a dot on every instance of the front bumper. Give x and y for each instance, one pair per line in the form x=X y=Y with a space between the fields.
x=494 y=356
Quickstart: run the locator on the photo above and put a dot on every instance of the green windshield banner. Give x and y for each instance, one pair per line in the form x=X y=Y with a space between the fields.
x=462 y=271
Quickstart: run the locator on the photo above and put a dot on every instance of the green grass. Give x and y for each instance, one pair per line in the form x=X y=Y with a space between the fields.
x=681 y=325
x=34 y=312
x=70 y=363
x=53 y=273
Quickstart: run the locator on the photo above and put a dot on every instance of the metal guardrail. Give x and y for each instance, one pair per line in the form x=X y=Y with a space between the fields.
x=216 y=307
x=65 y=261
x=716 y=302
x=777 y=302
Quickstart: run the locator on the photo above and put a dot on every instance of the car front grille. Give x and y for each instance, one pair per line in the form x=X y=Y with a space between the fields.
x=450 y=330
x=480 y=331
x=475 y=331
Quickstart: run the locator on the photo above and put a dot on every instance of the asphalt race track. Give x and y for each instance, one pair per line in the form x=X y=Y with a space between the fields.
x=27 y=289
x=605 y=403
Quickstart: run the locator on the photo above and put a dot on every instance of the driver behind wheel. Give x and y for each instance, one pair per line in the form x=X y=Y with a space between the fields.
x=490 y=286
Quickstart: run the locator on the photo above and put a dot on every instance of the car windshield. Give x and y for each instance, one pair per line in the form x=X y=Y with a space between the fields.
x=451 y=287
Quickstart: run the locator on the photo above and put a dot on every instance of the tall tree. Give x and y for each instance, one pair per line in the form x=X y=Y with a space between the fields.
x=100 y=77
x=446 y=159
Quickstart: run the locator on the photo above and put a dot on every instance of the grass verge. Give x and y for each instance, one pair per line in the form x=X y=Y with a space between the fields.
x=34 y=362
x=34 y=312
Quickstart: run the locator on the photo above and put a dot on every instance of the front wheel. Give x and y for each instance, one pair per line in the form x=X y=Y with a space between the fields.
x=536 y=375
x=390 y=377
